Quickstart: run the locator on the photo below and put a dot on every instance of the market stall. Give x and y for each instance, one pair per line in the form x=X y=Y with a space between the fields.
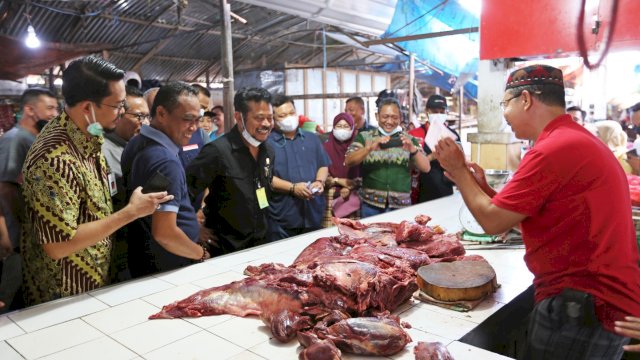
x=112 y=323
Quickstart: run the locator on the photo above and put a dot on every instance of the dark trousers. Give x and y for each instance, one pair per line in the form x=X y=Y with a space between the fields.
x=556 y=333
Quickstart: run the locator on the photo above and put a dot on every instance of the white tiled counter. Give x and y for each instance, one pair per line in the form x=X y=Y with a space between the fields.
x=111 y=323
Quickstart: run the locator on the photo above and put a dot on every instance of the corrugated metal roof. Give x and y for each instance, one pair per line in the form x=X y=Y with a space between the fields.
x=165 y=41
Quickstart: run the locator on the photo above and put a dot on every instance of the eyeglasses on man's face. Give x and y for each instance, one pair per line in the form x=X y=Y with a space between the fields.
x=121 y=105
x=503 y=103
x=141 y=117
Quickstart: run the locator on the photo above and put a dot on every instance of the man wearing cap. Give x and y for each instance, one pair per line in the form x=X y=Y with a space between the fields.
x=583 y=253
x=434 y=184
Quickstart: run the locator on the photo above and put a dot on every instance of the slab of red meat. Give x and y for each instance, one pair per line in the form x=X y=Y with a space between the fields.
x=431 y=351
x=440 y=245
x=250 y=296
x=368 y=336
x=422 y=219
x=285 y=324
x=323 y=248
x=356 y=287
x=317 y=349
x=411 y=231
x=407 y=260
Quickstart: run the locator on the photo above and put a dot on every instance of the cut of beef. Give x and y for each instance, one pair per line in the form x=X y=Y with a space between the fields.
x=431 y=351
x=250 y=296
x=321 y=350
x=368 y=336
x=440 y=245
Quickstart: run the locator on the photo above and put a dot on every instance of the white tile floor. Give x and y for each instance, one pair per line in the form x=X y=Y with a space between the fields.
x=112 y=323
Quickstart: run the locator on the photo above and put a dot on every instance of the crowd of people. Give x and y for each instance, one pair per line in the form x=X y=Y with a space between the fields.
x=122 y=184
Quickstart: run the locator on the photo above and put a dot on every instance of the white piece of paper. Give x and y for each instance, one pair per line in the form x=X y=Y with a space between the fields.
x=436 y=132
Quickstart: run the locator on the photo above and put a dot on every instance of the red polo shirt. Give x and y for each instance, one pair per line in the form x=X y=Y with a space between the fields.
x=579 y=233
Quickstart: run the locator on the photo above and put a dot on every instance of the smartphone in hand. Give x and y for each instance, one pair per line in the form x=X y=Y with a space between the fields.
x=394 y=141
x=156 y=183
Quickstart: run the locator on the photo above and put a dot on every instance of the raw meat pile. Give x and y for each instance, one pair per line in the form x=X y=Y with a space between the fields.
x=338 y=294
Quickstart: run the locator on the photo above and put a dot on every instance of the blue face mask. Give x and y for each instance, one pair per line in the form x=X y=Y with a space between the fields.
x=94 y=128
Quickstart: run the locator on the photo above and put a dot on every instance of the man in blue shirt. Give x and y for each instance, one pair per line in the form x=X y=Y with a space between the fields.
x=301 y=169
x=168 y=239
x=199 y=138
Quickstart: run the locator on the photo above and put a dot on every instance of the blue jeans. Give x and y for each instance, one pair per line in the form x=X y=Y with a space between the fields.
x=367 y=210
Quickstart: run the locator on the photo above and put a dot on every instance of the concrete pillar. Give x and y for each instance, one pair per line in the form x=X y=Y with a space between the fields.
x=494 y=146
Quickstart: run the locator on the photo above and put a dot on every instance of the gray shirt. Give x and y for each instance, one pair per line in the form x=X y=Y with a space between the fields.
x=112 y=149
x=14 y=145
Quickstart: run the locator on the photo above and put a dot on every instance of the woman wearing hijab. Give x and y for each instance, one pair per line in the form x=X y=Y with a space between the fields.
x=611 y=133
x=342 y=180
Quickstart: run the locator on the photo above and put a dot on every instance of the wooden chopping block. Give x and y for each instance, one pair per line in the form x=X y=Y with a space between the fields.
x=458 y=280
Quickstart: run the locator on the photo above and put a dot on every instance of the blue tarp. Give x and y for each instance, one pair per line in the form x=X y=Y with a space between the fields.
x=454 y=56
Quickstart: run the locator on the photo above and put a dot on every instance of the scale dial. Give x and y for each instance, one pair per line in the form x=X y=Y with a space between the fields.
x=468 y=222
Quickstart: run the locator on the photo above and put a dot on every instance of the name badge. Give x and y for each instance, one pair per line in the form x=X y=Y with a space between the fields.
x=190 y=147
x=113 y=189
x=262 y=198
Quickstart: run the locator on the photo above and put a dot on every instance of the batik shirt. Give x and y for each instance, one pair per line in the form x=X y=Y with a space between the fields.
x=65 y=185
x=386 y=179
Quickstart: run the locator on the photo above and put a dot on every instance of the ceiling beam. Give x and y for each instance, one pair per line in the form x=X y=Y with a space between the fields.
x=213 y=62
x=151 y=22
x=421 y=36
x=161 y=44
x=166 y=26
x=159 y=57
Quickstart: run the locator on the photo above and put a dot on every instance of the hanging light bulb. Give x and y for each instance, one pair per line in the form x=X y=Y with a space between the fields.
x=32 y=40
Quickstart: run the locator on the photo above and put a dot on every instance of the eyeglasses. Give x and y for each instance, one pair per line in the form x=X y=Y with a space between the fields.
x=503 y=104
x=140 y=116
x=122 y=105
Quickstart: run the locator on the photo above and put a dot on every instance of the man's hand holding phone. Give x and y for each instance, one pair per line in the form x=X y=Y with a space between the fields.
x=146 y=204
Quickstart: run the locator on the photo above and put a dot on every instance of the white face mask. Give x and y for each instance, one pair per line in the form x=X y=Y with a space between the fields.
x=245 y=134
x=288 y=124
x=342 y=134
x=398 y=128
x=94 y=128
x=438 y=118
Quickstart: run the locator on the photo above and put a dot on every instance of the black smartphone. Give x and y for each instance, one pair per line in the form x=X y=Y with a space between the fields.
x=156 y=183
x=395 y=141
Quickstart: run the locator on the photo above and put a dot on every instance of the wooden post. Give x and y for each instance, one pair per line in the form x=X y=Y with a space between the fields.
x=52 y=78
x=412 y=79
x=227 y=66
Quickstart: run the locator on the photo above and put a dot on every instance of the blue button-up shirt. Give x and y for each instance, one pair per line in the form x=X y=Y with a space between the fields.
x=297 y=160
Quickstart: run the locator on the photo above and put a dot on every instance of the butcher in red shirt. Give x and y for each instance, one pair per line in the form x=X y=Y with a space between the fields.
x=571 y=199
